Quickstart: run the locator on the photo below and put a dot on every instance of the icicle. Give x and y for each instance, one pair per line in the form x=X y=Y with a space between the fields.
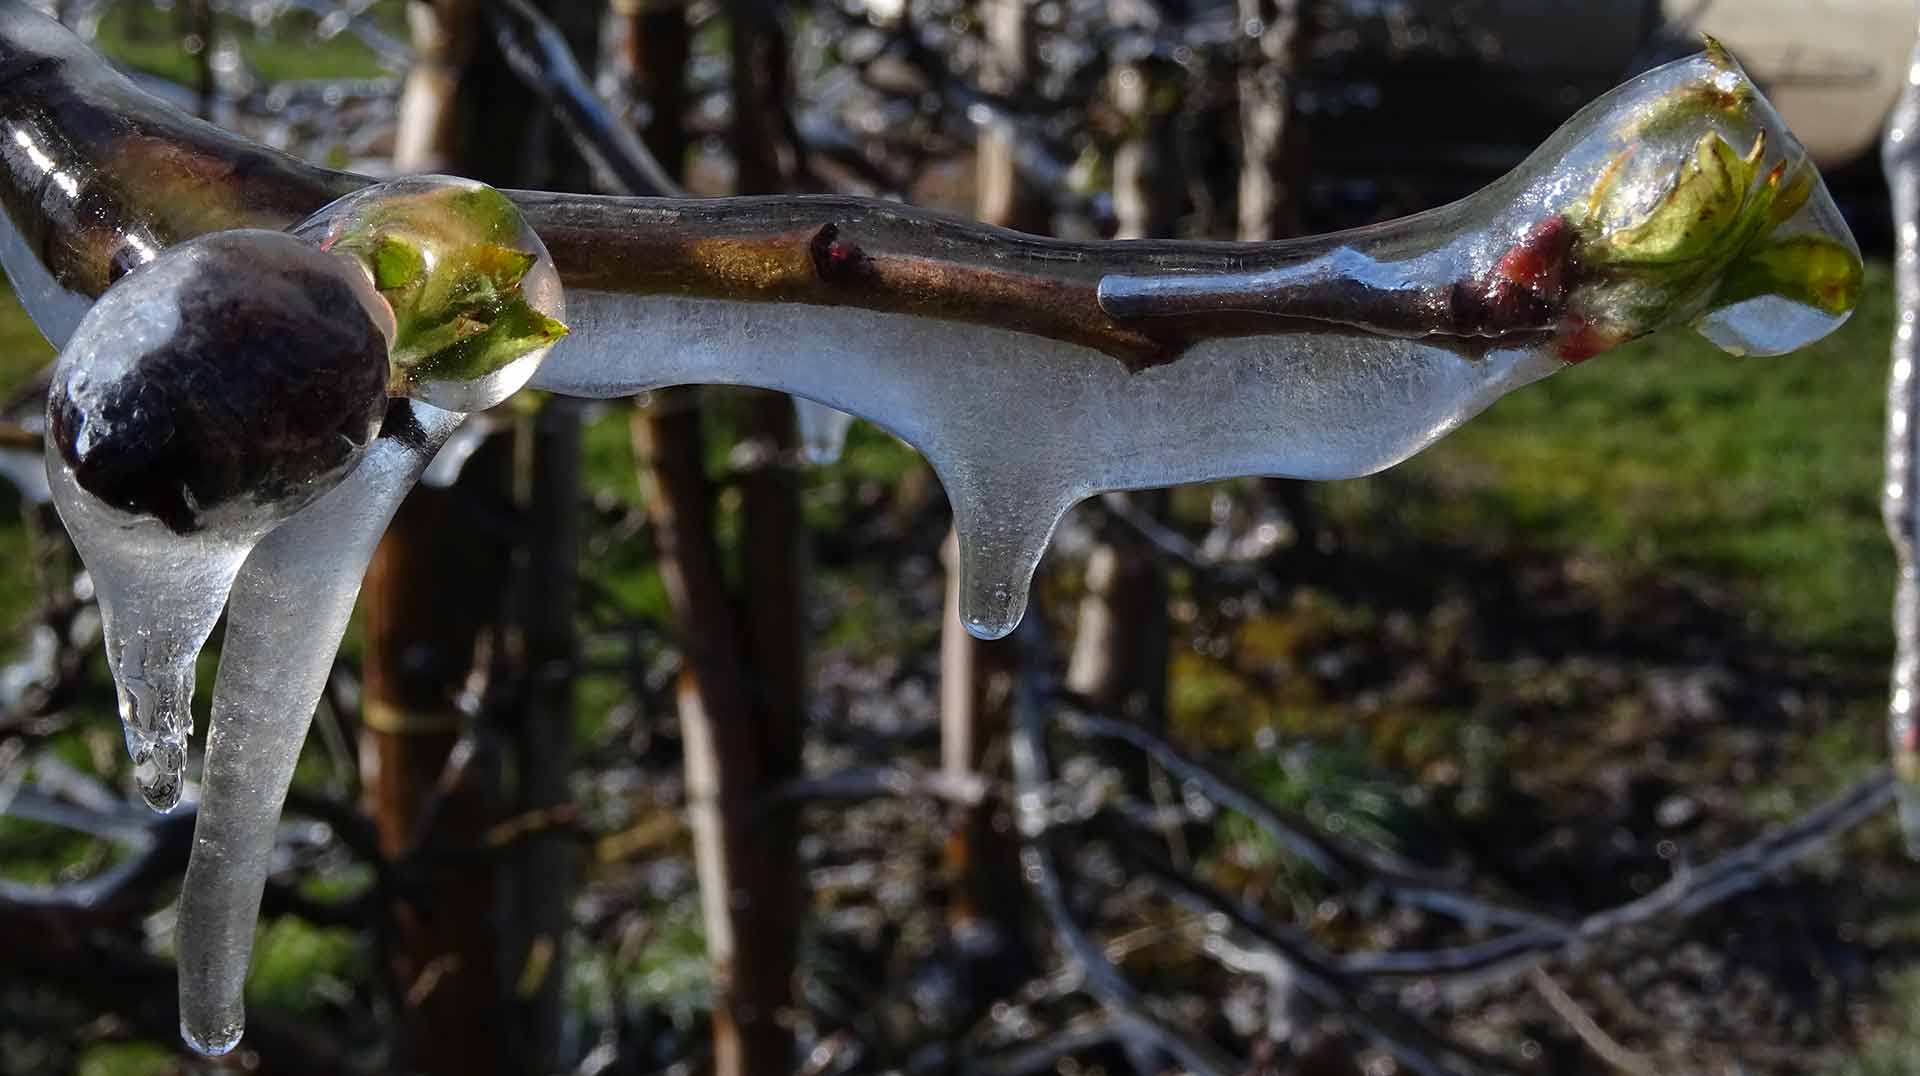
x=214 y=392
x=426 y=243
x=288 y=611
x=823 y=430
x=1678 y=199
x=1900 y=501
x=206 y=398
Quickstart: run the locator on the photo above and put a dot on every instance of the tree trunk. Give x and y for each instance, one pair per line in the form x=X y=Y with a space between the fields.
x=740 y=693
x=425 y=618
x=727 y=761
x=1121 y=641
x=1271 y=145
x=760 y=92
x=478 y=934
x=981 y=860
x=1001 y=195
x=1148 y=189
x=544 y=660
x=656 y=43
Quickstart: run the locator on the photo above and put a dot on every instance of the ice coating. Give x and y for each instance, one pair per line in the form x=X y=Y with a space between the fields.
x=1303 y=358
x=473 y=289
x=1328 y=358
x=289 y=608
x=160 y=596
x=97 y=176
x=186 y=419
x=823 y=430
x=1031 y=372
x=1899 y=502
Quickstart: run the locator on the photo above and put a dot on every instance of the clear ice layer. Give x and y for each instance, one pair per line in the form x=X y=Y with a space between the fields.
x=1332 y=358
x=167 y=466
x=425 y=238
x=289 y=608
x=160 y=596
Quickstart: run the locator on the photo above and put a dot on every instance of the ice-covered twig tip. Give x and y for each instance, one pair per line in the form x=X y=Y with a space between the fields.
x=277 y=348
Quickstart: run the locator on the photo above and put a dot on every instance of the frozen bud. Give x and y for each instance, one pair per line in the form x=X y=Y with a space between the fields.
x=203 y=400
x=227 y=384
x=475 y=297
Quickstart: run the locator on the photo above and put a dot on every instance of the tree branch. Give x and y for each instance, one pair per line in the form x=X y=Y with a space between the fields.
x=1032 y=773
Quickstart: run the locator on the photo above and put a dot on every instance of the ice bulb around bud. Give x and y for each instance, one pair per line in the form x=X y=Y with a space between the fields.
x=202 y=401
x=474 y=293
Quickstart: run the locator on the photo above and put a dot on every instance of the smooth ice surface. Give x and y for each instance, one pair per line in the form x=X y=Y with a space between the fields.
x=823 y=430
x=1356 y=405
x=289 y=608
x=423 y=211
x=160 y=596
x=1339 y=381
x=56 y=309
x=1900 y=500
x=152 y=460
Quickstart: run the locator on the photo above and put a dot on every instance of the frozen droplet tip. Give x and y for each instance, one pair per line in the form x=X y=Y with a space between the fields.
x=216 y=1041
x=160 y=771
x=991 y=628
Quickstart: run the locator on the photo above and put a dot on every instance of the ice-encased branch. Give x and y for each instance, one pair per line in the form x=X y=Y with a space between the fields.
x=1031 y=372
x=1678 y=198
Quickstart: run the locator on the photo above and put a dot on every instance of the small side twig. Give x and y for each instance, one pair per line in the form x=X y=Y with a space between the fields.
x=1341 y=860
x=1603 y=1045
x=1103 y=980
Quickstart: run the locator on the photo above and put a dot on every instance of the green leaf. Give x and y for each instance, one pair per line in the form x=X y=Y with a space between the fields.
x=1808 y=269
x=486 y=213
x=469 y=349
x=1692 y=219
x=448 y=262
x=396 y=263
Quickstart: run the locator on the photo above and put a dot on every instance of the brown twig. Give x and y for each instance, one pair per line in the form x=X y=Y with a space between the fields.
x=1604 y=1046
x=1105 y=982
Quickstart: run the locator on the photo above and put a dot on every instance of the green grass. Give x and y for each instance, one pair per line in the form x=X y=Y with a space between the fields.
x=127 y=1059
x=1893 y=1050
x=1762 y=473
x=148 y=40
x=296 y=965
